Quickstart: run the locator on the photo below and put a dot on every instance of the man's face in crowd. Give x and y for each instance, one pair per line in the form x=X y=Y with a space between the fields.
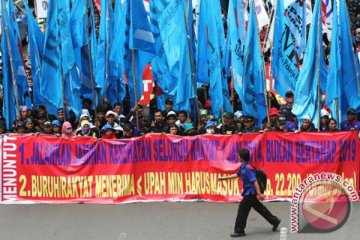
x=182 y=117
x=117 y=109
x=110 y=118
x=306 y=123
x=351 y=116
x=158 y=117
x=332 y=125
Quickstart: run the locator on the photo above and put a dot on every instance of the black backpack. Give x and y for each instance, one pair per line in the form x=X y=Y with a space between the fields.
x=261 y=178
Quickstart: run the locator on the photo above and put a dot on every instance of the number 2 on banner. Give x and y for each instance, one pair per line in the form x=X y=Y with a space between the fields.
x=280 y=179
x=22 y=192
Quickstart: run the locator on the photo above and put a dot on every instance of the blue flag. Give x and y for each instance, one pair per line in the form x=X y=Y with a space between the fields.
x=36 y=44
x=139 y=48
x=14 y=77
x=83 y=56
x=116 y=86
x=343 y=68
x=167 y=39
x=173 y=49
x=236 y=40
x=51 y=87
x=253 y=91
x=210 y=28
x=295 y=17
x=103 y=47
x=78 y=23
x=312 y=73
x=59 y=61
x=283 y=65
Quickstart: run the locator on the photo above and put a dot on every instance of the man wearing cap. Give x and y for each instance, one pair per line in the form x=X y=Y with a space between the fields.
x=107 y=132
x=47 y=128
x=351 y=123
x=203 y=121
x=272 y=125
x=128 y=131
x=158 y=125
x=171 y=118
x=228 y=127
x=56 y=126
x=249 y=123
x=324 y=120
x=169 y=104
x=24 y=114
x=42 y=113
x=239 y=120
x=111 y=117
x=307 y=125
x=286 y=109
x=189 y=129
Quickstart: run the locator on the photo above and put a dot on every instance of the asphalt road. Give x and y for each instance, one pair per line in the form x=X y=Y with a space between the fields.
x=168 y=221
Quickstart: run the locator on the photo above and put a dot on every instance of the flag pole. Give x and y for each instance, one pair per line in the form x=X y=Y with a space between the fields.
x=337 y=112
x=10 y=56
x=107 y=49
x=135 y=87
x=193 y=74
x=88 y=7
x=318 y=68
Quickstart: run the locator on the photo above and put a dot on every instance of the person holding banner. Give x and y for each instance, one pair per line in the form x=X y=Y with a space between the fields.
x=251 y=196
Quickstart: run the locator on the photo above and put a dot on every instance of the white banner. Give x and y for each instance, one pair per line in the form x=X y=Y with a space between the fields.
x=41 y=8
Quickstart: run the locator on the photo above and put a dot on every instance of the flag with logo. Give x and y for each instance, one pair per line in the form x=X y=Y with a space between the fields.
x=283 y=65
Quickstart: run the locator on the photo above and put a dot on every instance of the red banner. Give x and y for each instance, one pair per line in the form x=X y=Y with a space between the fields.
x=165 y=167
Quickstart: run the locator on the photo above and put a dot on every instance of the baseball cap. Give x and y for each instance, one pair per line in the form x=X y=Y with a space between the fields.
x=351 y=111
x=274 y=112
x=203 y=112
x=209 y=124
x=108 y=113
x=171 y=114
x=107 y=127
x=188 y=126
x=228 y=115
x=169 y=101
x=238 y=114
x=289 y=94
x=56 y=123
x=249 y=118
x=126 y=127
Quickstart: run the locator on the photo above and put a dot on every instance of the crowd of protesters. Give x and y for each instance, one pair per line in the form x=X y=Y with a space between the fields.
x=109 y=122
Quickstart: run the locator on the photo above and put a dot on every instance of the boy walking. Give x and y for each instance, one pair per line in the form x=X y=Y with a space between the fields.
x=251 y=196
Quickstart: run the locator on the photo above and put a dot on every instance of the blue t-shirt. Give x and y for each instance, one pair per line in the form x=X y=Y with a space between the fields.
x=248 y=177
